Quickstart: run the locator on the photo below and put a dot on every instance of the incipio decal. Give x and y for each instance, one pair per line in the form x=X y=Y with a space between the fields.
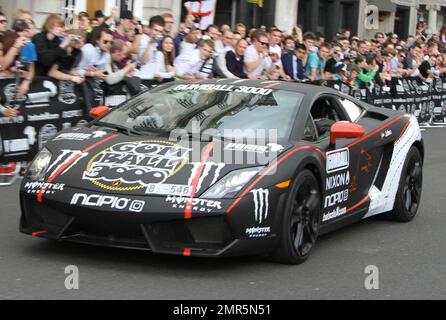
x=111 y=202
x=337 y=160
x=336 y=198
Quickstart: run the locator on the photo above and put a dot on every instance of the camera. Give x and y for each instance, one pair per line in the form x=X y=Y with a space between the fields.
x=23 y=66
x=197 y=19
x=75 y=38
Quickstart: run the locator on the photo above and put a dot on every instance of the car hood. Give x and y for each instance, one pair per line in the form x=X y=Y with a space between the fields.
x=104 y=160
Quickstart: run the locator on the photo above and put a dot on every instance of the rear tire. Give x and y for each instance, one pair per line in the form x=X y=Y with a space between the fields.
x=300 y=225
x=408 y=196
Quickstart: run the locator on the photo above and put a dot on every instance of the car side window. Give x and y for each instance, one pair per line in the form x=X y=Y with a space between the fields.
x=309 y=130
x=353 y=110
x=325 y=113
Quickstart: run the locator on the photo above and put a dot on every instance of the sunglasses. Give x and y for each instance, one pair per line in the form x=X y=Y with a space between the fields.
x=4 y=21
x=264 y=43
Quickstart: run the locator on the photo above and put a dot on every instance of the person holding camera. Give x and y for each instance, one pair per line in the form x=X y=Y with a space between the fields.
x=95 y=57
x=63 y=68
x=149 y=42
x=51 y=44
x=20 y=55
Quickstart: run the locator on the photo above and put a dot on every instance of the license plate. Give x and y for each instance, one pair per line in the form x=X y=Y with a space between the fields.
x=169 y=189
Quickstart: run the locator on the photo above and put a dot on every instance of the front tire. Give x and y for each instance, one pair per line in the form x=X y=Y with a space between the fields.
x=408 y=197
x=300 y=226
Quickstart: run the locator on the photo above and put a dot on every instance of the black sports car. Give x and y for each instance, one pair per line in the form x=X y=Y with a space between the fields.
x=224 y=167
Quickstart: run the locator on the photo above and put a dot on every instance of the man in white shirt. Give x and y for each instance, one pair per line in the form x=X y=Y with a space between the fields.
x=188 y=65
x=227 y=41
x=275 y=36
x=257 y=58
x=96 y=57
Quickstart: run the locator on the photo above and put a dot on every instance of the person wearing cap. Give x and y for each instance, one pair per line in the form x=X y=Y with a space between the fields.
x=99 y=16
x=124 y=26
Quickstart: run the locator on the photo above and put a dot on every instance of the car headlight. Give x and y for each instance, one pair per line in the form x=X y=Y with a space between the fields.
x=231 y=184
x=37 y=169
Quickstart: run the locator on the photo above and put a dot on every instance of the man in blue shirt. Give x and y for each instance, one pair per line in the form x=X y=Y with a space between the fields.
x=316 y=62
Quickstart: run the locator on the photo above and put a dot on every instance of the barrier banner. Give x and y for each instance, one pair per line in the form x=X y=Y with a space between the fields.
x=49 y=107
x=424 y=100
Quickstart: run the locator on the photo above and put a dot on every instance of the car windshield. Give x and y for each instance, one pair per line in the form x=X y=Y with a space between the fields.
x=228 y=109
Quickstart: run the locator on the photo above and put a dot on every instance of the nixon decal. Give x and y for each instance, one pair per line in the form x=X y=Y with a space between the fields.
x=339 y=180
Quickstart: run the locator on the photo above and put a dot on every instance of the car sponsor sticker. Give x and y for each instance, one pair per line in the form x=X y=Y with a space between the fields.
x=338 y=180
x=169 y=189
x=261 y=204
x=258 y=232
x=78 y=136
x=49 y=188
x=223 y=87
x=134 y=165
x=334 y=214
x=271 y=147
x=338 y=160
x=336 y=198
x=112 y=202
x=198 y=205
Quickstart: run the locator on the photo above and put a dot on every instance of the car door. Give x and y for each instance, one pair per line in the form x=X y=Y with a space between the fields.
x=366 y=154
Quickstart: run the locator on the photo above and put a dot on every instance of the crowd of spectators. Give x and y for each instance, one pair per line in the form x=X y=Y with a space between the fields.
x=114 y=49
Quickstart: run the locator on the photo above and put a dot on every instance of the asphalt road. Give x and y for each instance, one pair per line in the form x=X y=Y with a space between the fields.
x=410 y=258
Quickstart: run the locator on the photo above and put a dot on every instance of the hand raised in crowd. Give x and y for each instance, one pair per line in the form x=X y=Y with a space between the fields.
x=66 y=42
x=100 y=75
x=20 y=42
x=23 y=88
x=77 y=79
x=9 y=112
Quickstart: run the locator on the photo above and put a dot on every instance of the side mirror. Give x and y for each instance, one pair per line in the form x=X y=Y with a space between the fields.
x=97 y=112
x=345 y=130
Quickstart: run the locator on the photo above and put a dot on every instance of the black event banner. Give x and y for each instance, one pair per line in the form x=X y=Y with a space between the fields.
x=50 y=106
x=424 y=100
